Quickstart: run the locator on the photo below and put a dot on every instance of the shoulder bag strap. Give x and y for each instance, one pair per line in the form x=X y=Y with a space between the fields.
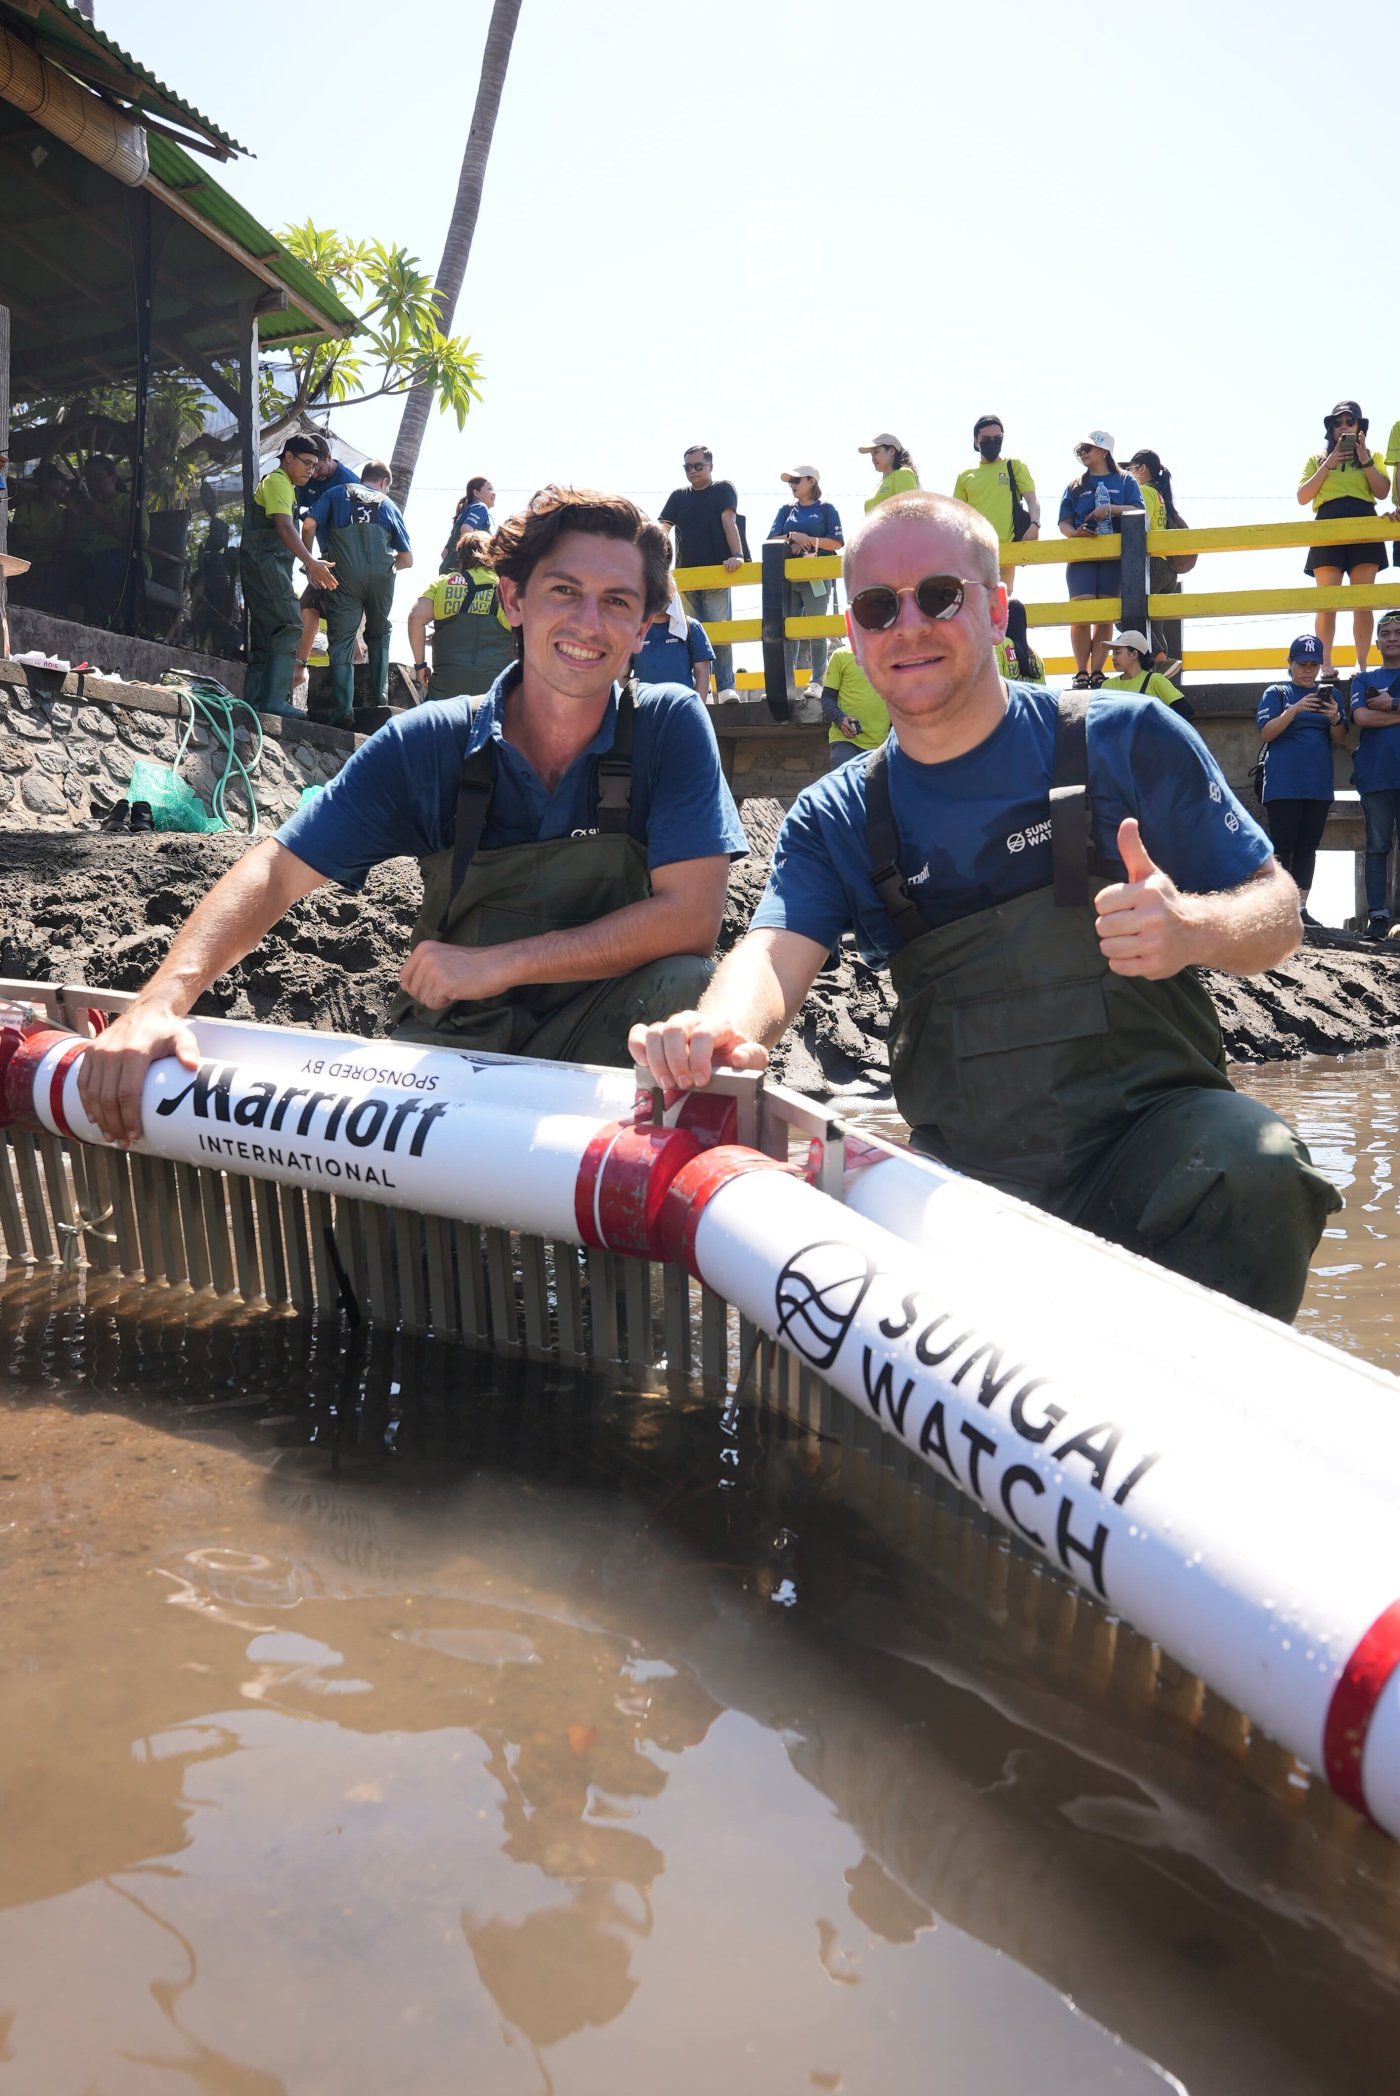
x=1071 y=811
x=882 y=842
x=474 y=791
x=615 y=768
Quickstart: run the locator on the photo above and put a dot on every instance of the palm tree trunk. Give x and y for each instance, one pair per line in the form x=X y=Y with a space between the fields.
x=458 y=246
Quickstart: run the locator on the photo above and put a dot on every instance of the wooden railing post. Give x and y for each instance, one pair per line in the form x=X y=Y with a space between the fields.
x=1133 y=616
x=776 y=685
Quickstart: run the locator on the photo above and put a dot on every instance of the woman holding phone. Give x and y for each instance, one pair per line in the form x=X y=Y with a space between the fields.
x=1298 y=725
x=1343 y=480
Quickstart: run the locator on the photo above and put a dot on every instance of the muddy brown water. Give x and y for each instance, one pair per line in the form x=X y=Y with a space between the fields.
x=379 y=1718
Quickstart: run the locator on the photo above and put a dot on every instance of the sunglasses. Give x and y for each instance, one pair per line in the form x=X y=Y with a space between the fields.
x=694 y=465
x=937 y=596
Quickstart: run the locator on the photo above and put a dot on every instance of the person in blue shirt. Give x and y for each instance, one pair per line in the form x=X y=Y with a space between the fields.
x=1051 y=1035
x=473 y=513
x=363 y=536
x=1375 y=710
x=810 y=525
x=1298 y=724
x=574 y=834
x=677 y=650
x=1092 y=506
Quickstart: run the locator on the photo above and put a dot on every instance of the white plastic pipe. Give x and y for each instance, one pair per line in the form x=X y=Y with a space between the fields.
x=1277 y=1583
x=1119 y=1419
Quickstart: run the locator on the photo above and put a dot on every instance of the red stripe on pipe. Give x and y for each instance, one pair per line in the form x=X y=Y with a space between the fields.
x=694 y=1187
x=622 y=1183
x=1353 y=1706
x=60 y=1071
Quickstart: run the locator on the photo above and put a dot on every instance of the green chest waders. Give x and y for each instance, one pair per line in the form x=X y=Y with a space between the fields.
x=363 y=561
x=519 y=891
x=470 y=646
x=274 y=616
x=1016 y=1055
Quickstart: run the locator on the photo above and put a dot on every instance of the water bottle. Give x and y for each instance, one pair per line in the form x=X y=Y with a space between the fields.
x=1103 y=519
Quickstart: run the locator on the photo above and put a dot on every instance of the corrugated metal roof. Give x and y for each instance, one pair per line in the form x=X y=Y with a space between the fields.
x=173 y=166
x=64 y=33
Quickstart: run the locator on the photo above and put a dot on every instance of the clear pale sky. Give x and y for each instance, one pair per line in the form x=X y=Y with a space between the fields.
x=778 y=228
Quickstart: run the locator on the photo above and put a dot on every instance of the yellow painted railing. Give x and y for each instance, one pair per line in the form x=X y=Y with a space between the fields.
x=1185 y=604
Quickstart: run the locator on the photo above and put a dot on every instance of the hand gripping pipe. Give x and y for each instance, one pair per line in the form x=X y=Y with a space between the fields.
x=1227 y=1486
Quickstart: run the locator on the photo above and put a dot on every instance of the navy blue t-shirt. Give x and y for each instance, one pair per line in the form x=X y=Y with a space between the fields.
x=397 y=796
x=1377 y=766
x=818 y=519
x=338 y=477
x=698 y=517
x=1298 y=763
x=975 y=832
x=1119 y=487
x=664 y=659
x=348 y=502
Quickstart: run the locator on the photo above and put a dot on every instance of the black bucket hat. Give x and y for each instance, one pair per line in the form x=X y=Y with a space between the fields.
x=1346 y=407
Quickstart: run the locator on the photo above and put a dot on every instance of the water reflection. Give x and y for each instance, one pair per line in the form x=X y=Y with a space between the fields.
x=381 y=1718
x=1347 y=1110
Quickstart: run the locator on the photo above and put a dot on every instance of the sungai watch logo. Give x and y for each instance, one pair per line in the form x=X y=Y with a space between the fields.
x=817 y=1295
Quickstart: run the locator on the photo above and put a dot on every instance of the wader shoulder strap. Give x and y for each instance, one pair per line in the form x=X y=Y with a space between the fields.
x=1071 y=811
x=474 y=791
x=615 y=768
x=882 y=842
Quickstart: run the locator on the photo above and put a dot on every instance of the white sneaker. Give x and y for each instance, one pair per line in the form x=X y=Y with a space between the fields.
x=728 y=693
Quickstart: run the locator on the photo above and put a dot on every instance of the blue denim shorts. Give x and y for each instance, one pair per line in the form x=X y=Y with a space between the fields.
x=1094 y=578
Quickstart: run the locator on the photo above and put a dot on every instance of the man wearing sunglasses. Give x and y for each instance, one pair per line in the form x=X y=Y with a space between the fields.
x=1043 y=877
x=704 y=517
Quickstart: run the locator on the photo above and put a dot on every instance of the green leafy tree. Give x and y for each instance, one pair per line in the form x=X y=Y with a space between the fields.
x=399 y=345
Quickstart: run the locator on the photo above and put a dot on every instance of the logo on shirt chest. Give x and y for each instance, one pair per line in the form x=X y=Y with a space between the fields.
x=1034 y=833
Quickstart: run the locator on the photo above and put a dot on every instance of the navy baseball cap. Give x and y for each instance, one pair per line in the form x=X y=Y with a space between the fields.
x=1306 y=648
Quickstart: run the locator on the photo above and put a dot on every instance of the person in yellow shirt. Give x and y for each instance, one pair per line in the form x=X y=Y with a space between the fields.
x=1131 y=655
x=892 y=462
x=995 y=487
x=858 y=716
x=271 y=542
x=473 y=641
x=1344 y=480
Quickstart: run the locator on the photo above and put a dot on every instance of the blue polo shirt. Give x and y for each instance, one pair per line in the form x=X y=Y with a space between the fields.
x=975 y=832
x=338 y=477
x=1298 y=763
x=348 y=502
x=1077 y=508
x=664 y=659
x=818 y=519
x=1377 y=766
x=397 y=796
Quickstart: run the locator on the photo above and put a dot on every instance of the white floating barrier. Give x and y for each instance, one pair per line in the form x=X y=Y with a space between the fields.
x=1229 y=1487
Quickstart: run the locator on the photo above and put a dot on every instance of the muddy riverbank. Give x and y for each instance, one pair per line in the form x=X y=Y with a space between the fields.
x=89 y=907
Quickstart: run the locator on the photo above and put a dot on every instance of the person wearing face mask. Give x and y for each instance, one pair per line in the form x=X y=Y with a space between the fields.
x=998 y=488
x=1344 y=480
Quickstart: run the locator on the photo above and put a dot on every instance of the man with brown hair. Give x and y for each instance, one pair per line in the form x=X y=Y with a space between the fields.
x=574 y=831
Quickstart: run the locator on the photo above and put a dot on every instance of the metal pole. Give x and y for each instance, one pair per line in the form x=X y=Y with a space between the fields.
x=249 y=421
x=4 y=446
x=777 y=689
x=1134 y=568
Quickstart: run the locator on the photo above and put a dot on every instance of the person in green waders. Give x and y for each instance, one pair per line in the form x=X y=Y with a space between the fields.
x=473 y=640
x=574 y=831
x=270 y=545
x=363 y=536
x=1051 y=1035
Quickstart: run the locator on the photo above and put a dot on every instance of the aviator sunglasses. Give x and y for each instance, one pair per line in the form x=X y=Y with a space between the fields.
x=937 y=596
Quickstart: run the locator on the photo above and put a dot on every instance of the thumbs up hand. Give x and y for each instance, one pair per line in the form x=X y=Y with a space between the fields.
x=1143 y=923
